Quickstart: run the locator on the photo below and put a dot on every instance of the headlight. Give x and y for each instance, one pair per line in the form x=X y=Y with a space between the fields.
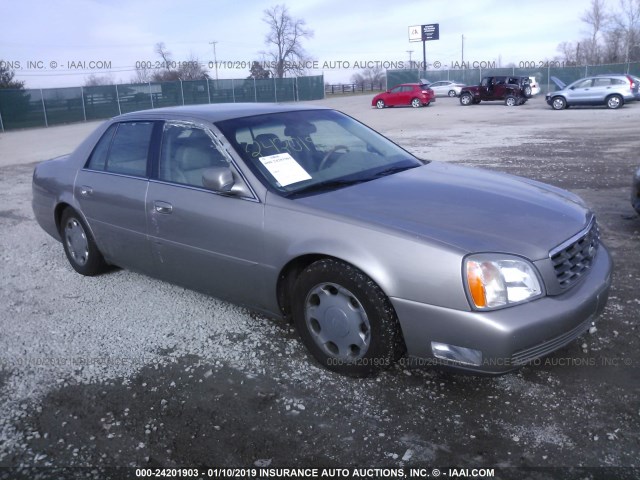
x=497 y=280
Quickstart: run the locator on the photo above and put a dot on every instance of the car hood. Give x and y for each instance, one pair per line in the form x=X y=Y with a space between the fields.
x=559 y=83
x=466 y=208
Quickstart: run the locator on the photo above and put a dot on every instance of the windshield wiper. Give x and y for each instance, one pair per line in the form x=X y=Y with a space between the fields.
x=392 y=170
x=327 y=185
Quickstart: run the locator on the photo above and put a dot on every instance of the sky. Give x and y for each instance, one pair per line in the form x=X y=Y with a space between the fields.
x=61 y=43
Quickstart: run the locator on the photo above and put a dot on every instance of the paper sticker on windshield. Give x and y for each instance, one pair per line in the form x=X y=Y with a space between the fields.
x=285 y=169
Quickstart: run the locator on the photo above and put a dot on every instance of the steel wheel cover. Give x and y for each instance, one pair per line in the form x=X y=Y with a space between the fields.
x=76 y=241
x=337 y=321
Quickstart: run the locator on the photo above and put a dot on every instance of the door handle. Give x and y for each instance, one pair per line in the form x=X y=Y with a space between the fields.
x=85 y=191
x=162 y=207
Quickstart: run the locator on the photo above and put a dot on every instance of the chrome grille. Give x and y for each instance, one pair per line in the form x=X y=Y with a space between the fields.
x=573 y=258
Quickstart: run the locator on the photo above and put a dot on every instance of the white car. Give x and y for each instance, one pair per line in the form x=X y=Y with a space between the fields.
x=446 y=88
x=535 y=86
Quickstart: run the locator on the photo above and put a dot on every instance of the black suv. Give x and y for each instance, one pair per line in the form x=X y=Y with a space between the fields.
x=512 y=90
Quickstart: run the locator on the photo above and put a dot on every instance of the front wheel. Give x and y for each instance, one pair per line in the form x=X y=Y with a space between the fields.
x=416 y=103
x=614 y=101
x=380 y=104
x=558 y=103
x=345 y=320
x=466 y=99
x=452 y=93
x=79 y=246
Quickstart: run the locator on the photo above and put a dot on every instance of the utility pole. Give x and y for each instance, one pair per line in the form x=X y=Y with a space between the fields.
x=462 y=51
x=410 y=62
x=215 y=60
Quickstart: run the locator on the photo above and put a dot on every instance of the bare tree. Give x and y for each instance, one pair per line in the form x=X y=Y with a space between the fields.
x=596 y=19
x=94 y=80
x=142 y=75
x=285 y=39
x=166 y=73
x=373 y=76
x=613 y=35
x=629 y=22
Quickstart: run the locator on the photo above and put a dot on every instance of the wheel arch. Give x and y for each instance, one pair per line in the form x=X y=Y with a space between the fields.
x=294 y=267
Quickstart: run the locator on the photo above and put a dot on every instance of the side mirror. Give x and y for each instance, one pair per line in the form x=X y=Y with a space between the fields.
x=218 y=179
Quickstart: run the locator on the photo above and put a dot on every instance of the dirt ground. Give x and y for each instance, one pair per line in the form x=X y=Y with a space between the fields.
x=122 y=370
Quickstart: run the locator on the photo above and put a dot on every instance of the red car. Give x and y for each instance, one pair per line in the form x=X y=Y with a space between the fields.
x=414 y=94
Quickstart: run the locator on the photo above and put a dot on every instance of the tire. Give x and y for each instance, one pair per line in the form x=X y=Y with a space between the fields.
x=466 y=99
x=511 y=101
x=79 y=246
x=527 y=91
x=345 y=320
x=452 y=93
x=614 y=101
x=558 y=103
x=416 y=103
x=380 y=104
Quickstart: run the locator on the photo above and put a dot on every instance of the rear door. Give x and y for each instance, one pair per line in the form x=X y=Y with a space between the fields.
x=202 y=239
x=111 y=191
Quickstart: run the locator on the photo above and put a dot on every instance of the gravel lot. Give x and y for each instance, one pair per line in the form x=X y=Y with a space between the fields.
x=124 y=370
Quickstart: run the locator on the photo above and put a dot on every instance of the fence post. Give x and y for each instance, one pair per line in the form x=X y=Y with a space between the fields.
x=84 y=110
x=208 y=92
x=255 y=91
x=118 y=100
x=294 y=86
x=150 y=95
x=181 y=92
x=233 y=91
x=1 y=124
x=275 y=89
x=44 y=109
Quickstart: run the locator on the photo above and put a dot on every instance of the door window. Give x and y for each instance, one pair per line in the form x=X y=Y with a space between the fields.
x=187 y=152
x=124 y=149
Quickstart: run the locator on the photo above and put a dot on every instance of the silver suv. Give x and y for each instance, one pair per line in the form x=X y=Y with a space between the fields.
x=610 y=90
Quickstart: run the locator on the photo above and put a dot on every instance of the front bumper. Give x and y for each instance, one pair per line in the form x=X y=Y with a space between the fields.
x=510 y=337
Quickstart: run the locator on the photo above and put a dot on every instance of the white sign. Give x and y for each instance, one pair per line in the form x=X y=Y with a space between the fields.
x=415 y=33
x=285 y=169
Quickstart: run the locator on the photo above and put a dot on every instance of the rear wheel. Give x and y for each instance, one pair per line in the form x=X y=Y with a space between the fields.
x=415 y=103
x=527 y=90
x=466 y=99
x=452 y=93
x=345 y=320
x=380 y=104
x=615 y=101
x=558 y=103
x=79 y=246
x=511 y=101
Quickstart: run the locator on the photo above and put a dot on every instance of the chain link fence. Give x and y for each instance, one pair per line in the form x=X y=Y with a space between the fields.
x=54 y=106
x=543 y=75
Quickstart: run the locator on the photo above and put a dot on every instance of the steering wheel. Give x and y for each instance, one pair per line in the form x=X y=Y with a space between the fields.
x=325 y=159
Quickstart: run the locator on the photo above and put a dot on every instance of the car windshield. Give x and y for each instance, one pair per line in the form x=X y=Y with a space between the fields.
x=307 y=151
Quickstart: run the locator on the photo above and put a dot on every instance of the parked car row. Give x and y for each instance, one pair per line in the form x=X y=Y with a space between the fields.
x=610 y=90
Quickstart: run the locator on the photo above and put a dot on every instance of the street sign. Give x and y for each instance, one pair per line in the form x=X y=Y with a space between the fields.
x=415 y=33
x=431 y=32
x=424 y=33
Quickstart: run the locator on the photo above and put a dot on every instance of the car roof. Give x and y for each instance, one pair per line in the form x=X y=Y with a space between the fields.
x=218 y=111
